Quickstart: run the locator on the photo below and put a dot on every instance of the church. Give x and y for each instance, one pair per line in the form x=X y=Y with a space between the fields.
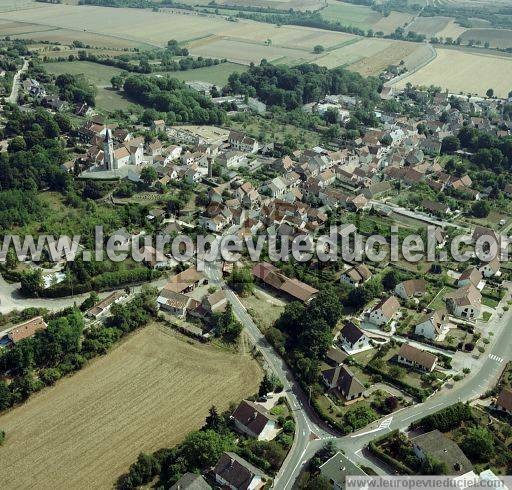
x=130 y=152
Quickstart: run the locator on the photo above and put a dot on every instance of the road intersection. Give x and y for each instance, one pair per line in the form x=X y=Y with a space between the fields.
x=312 y=433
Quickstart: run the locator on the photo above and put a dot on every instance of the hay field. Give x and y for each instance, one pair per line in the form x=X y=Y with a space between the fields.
x=145 y=394
x=363 y=48
x=452 y=29
x=393 y=53
x=429 y=26
x=467 y=72
x=392 y=21
x=497 y=38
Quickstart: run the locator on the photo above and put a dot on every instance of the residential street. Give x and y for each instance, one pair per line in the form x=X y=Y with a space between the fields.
x=13 y=97
x=312 y=434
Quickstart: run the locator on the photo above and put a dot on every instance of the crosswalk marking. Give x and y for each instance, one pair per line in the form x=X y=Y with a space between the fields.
x=496 y=358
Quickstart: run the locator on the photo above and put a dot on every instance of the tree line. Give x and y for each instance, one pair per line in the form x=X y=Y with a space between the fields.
x=172 y=97
x=291 y=87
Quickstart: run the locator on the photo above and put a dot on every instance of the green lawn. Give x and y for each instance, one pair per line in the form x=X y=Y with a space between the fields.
x=350 y=15
x=109 y=100
x=217 y=74
x=98 y=74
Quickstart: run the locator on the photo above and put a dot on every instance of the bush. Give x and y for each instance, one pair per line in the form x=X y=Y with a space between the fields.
x=2 y=437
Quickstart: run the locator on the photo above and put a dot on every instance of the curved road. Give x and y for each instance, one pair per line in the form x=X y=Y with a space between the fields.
x=312 y=433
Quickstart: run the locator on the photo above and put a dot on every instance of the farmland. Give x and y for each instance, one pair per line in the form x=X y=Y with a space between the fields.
x=501 y=38
x=364 y=17
x=145 y=394
x=351 y=15
x=429 y=26
x=462 y=71
x=205 y=35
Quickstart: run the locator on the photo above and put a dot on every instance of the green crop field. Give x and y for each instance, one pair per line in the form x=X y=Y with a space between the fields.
x=351 y=15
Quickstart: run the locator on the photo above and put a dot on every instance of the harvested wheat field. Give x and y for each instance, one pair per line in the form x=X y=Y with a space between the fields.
x=497 y=38
x=394 y=52
x=460 y=71
x=452 y=29
x=145 y=394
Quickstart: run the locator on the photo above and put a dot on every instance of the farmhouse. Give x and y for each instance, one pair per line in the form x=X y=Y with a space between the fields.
x=384 y=311
x=416 y=358
x=254 y=420
x=175 y=303
x=236 y=473
x=432 y=325
x=436 y=445
x=411 y=288
x=465 y=302
x=270 y=275
x=352 y=338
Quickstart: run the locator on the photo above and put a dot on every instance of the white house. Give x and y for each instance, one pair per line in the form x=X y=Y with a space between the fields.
x=465 y=302
x=384 y=311
x=353 y=339
x=240 y=141
x=254 y=420
x=411 y=288
x=355 y=276
x=432 y=325
x=491 y=268
x=416 y=358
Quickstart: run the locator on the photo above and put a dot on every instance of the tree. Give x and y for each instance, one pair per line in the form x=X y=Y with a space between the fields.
x=490 y=92
x=478 y=444
x=148 y=175
x=390 y=279
x=318 y=49
x=266 y=385
x=31 y=282
x=117 y=82
x=480 y=209
x=319 y=482
x=202 y=449
x=450 y=144
x=143 y=470
x=241 y=280
x=215 y=421
x=11 y=260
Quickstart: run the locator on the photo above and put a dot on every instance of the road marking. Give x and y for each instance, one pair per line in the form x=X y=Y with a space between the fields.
x=496 y=358
x=410 y=417
x=384 y=425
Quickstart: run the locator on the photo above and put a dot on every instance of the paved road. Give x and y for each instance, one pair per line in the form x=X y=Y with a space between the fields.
x=11 y=299
x=308 y=425
x=13 y=98
x=312 y=434
x=483 y=377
